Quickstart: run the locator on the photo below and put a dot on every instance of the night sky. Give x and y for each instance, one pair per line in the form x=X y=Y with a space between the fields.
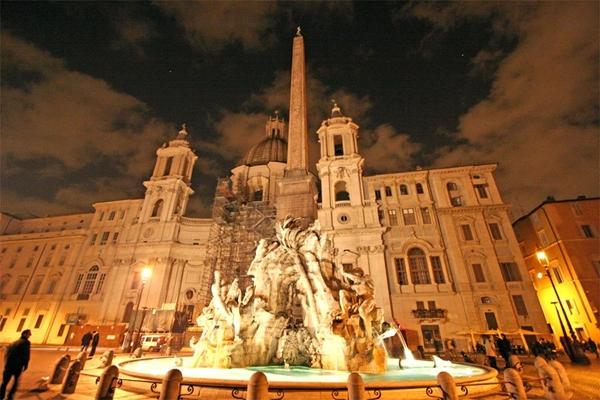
x=91 y=89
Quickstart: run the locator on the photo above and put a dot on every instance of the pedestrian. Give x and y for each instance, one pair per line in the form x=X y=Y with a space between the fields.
x=95 y=340
x=421 y=352
x=437 y=343
x=490 y=352
x=85 y=341
x=593 y=347
x=504 y=347
x=16 y=360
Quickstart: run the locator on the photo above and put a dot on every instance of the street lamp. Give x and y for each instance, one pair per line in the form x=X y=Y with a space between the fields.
x=145 y=277
x=571 y=345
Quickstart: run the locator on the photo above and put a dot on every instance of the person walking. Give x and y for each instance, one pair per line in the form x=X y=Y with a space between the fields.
x=504 y=347
x=16 y=360
x=593 y=347
x=490 y=352
x=85 y=341
x=95 y=340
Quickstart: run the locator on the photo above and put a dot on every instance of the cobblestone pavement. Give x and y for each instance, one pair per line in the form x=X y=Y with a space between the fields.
x=585 y=379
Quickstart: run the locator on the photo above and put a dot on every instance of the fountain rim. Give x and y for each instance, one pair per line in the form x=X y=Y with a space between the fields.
x=489 y=375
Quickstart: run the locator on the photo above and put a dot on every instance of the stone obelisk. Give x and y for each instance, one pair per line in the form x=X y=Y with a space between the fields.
x=297 y=195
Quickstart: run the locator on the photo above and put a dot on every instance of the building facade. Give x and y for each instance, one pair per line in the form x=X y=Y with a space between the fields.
x=568 y=232
x=438 y=243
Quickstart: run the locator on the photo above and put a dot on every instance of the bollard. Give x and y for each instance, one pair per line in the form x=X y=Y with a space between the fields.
x=171 y=385
x=553 y=388
x=82 y=358
x=137 y=353
x=258 y=387
x=107 y=358
x=448 y=386
x=516 y=363
x=356 y=387
x=107 y=383
x=60 y=368
x=514 y=384
x=71 y=378
x=562 y=374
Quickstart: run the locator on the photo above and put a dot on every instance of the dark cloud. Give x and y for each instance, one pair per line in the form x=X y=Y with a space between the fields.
x=539 y=120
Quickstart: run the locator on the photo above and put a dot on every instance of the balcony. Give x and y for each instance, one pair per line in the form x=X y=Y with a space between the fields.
x=437 y=313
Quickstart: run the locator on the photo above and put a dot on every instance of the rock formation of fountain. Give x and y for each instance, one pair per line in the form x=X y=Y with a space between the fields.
x=302 y=309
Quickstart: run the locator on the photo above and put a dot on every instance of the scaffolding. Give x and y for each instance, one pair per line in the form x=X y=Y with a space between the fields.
x=238 y=225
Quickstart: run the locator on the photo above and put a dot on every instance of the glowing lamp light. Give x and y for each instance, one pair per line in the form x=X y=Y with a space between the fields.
x=542 y=257
x=540 y=275
x=146 y=274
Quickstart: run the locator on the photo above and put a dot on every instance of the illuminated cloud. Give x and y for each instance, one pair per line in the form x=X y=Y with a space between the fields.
x=213 y=24
x=539 y=120
x=70 y=134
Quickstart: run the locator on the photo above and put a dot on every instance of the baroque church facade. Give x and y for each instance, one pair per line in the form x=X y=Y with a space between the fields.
x=438 y=243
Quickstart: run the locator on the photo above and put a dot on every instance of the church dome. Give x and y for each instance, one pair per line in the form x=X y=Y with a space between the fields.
x=270 y=149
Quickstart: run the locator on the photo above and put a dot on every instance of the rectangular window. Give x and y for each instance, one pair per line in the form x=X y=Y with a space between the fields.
x=29 y=263
x=100 y=283
x=62 y=260
x=543 y=238
x=426 y=215
x=587 y=231
x=104 y=238
x=21 y=324
x=377 y=194
x=478 y=273
x=466 y=232
x=576 y=209
x=12 y=264
x=419 y=188
x=557 y=274
x=121 y=214
x=401 y=271
x=495 y=231
x=35 y=287
x=393 y=217
x=111 y=216
x=519 y=304
x=380 y=215
x=491 y=320
x=431 y=305
x=61 y=330
x=482 y=191
x=77 y=283
x=510 y=272
x=115 y=237
x=93 y=239
x=420 y=305
x=101 y=217
x=570 y=306
x=18 y=286
x=438 y=273
x=338 y=145
x=2 y=323
x=408 y=214
x=456 y=201
x=38 y=321
x=388 y=191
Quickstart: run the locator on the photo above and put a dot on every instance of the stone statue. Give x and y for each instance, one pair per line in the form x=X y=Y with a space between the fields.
x=301 y=309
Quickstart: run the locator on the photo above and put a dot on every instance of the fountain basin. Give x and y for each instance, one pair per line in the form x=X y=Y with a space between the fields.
x=306 y=383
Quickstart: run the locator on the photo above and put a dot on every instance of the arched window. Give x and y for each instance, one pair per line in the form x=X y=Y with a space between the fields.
x=454 y=194
x=403 y=190
x=90 y=280
x=419 y=188
x=341 y=194
x=157 y=209
x=127 y=312
x=257 y=195
x=417 y=263
x=168 y=165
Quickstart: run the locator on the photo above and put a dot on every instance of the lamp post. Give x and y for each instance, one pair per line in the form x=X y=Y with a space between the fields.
x=145 y=276
x=570 y=344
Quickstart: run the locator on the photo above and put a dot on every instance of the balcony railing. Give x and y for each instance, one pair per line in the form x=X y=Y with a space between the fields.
x=429 y=314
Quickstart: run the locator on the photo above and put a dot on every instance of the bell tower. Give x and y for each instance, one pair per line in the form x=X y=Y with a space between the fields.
x=340 y=167
x=168 y=189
